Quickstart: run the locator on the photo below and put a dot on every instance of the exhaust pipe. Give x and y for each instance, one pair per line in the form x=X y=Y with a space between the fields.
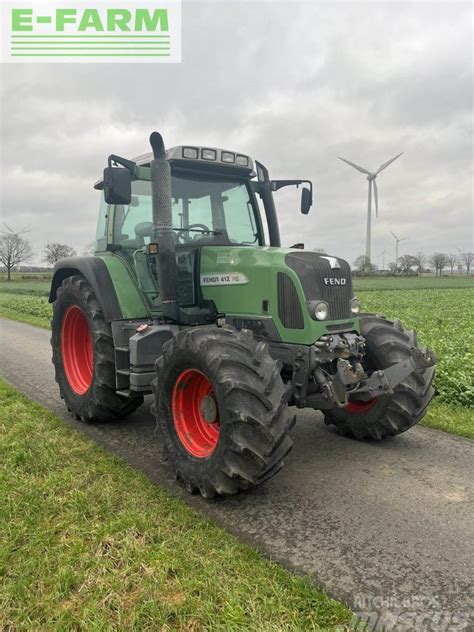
x=163 y=234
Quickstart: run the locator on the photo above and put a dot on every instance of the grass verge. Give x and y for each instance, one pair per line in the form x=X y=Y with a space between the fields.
x=457 y=420
x=89 y=543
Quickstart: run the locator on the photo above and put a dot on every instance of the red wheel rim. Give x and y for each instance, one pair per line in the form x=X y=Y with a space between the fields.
x=359 y=406
x=76 y=350
x=195 y=413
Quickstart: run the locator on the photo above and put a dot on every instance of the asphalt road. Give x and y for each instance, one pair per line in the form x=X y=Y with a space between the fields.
x=385 y=527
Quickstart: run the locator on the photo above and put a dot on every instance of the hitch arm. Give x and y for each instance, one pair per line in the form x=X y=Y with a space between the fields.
x=383 y=382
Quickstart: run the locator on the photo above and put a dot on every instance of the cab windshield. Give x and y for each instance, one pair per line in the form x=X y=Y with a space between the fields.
x=205 y=212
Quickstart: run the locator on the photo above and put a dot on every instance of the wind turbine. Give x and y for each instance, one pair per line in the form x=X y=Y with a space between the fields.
x=9 y=231
x=398 y=240
x=383 y=253
x=372 y=185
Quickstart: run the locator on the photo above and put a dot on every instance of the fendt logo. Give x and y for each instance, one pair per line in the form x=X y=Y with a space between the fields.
x=334 y=281
x=91 y=31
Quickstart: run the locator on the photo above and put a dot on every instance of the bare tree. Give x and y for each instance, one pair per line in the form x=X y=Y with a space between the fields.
x=439 y=260
x=13 y=251
x=364 y=266
x=451 y=262
x=406 y=263
x=467 y=258
x=392 y=266
x=420 y=262
x=54 y=251
x=89 y=249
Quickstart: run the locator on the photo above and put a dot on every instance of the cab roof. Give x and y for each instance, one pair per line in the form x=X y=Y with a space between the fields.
x=197 y=157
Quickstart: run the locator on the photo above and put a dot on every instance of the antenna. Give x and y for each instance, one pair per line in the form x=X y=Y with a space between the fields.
x=371 y=176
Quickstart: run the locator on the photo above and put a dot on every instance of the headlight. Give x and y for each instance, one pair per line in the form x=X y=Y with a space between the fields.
x=243 y=161
x=227 y=156
x=190 y=152
x=208 y=154
x=355 y=306
x=321 y=311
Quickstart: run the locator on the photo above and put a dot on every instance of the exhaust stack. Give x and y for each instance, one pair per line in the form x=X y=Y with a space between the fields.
x=163 y=227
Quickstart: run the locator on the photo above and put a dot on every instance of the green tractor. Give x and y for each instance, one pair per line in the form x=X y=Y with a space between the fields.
x=191 y=297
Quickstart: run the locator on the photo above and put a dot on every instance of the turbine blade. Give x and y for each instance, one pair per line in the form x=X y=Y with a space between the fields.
x=389 y=162
x=8 y=228
x=352 y=164
x=394 y=235
x=376 y=198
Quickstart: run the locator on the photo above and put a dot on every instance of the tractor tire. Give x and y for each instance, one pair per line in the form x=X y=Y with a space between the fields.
x=83 y=355
x=221 y=409
x=387 y=342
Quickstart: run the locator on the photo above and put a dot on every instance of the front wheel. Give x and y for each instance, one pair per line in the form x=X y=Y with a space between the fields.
x=387 y=343
x=221 y=410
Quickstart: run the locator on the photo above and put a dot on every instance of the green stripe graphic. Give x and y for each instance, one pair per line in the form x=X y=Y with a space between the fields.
x=81 y=36
x=89 y=48
x=90 y=55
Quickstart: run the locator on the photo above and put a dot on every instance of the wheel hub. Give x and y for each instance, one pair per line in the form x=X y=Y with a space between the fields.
x=208 y=409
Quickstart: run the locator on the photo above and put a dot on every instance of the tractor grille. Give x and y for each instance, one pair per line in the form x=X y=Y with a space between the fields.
x=313 y=271
x=289 y=308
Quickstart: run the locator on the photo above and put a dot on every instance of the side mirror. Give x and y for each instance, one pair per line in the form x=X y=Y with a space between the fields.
x=306 y=200
x=117 y=186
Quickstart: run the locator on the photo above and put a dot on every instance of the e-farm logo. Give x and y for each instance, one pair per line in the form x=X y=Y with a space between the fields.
x=91 y=31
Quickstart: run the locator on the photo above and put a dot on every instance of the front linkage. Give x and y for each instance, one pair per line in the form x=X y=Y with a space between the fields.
x=328 y=373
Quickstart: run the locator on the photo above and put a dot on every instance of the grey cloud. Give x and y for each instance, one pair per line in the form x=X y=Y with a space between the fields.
x=295 y=85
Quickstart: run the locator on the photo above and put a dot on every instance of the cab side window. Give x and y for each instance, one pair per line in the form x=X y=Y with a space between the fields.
x=133 y=224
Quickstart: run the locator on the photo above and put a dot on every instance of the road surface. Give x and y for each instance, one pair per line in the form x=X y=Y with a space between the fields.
x=385 y=527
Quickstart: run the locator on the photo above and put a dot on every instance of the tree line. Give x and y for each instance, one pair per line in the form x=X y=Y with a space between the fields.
x=417 y=264
x=15 y=250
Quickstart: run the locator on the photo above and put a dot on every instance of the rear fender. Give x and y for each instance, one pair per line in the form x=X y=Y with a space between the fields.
x=95 y=271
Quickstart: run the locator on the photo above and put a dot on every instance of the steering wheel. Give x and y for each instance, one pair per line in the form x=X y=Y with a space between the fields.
x=183 y=234
x=203 y=227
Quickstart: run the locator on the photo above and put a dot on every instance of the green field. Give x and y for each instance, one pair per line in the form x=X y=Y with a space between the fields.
x=33 y=284
x=443 y=320
x=442 y=316
x=412 y=283
x=90 y=544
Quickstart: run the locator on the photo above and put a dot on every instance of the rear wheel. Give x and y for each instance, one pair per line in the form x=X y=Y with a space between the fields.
x=387 y=343
x=83 y=355
x=221 y=410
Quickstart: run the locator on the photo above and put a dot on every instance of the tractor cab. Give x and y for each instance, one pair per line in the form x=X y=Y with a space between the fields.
x=216 y=200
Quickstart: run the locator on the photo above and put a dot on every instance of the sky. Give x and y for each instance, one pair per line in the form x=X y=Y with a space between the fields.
x=293 y=84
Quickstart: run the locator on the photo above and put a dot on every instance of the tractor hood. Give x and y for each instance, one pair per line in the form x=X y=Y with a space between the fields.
x=324 y=278
x=282 y=285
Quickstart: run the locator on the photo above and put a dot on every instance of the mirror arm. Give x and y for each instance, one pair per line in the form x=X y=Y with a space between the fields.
x=118 y=160
x=279 y=184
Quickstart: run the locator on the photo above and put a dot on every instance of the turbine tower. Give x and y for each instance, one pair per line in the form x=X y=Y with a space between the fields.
x=383 y=253
x=371 y=176
x=398 y=240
